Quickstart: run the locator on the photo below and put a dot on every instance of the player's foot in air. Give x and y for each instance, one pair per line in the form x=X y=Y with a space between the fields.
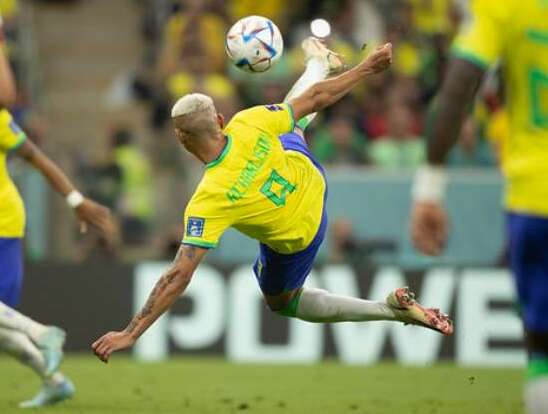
x=314 y=47
x=409 y=311
x=51 y=394
x=51 y=344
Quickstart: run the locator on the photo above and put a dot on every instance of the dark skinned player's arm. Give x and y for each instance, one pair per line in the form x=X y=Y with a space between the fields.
x=325 y=93
x=429 y=222
x=450 y=107
x=49 y=169
x=8 y=92
x=166 y=291
x=87 y=211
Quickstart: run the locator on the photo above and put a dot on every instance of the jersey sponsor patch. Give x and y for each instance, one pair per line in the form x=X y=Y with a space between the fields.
x=274 y=108
x=195 y=227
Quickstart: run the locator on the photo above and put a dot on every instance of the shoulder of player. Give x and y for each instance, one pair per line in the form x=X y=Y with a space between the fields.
x=207 y=189
x=258 y=111
x=499 y=11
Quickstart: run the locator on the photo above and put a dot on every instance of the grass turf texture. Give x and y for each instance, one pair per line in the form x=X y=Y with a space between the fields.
x=200 y=385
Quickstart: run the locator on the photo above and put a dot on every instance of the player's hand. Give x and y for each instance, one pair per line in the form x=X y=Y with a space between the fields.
x=111 y=342
x=98 y=216
x=378 y=60
x=429 y=225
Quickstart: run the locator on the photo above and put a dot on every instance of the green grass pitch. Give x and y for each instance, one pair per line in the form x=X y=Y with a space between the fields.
x=202 y=385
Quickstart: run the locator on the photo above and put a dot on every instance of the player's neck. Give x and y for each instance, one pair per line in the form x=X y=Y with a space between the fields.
x=213 y=150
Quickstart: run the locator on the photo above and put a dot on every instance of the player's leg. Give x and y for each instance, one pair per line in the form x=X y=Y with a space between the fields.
x=319 y=305
x=55 y=386
x=48 y=339
x=528 y=238
x=320 y=63
x=22 y=348
x=281 y=278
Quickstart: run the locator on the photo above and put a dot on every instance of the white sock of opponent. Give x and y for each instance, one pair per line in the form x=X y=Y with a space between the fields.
x=11 y=319
x=318 y=305
x=316 y=70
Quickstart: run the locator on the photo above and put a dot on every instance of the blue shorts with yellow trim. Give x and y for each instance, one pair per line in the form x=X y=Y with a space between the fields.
x=11 y=270
x=277 y=272
x=528 y=247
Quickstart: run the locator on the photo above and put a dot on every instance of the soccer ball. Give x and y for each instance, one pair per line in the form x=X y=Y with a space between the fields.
x=254 y=44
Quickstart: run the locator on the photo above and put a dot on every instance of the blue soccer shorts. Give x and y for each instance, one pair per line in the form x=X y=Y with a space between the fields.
x=528 y=248
x=11 y=270
x=277 y=272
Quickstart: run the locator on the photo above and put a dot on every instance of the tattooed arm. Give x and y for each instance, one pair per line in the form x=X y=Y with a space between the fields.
x=168 y=288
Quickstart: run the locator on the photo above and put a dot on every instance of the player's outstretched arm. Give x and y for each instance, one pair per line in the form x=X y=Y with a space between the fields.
x=429 y=224
x=168 y=288
x=88 y=211
x=327 y=92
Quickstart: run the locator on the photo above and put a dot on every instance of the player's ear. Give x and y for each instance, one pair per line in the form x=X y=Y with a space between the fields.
x=179 y=134
x=221 y=120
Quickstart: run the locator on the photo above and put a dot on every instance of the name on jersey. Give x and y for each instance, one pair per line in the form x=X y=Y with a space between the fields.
x=261 y=150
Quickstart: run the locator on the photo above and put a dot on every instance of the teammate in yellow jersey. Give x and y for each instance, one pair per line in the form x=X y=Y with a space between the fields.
x=35 y=345
x=514 y=32
x=261 y=179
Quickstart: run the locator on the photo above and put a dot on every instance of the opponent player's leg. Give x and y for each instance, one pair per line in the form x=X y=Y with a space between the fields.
x=528 y=241
x=320 y=63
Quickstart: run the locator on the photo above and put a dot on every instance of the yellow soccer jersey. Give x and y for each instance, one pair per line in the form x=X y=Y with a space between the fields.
x=268 y=193
x=516 y=33
x=12 y=211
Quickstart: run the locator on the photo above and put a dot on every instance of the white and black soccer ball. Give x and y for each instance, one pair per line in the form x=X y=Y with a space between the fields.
x=254 y=44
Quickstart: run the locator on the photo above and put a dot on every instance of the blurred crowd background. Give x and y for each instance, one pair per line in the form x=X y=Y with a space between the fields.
x=133 y=164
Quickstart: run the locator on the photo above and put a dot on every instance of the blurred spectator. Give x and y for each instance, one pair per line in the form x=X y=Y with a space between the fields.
x=339 y=143
x=471 y=149
x=346 y=247
x=193 y=31
x=276 y=10
x=343 y=240
x=431 y=17
x=400 y=148
x=135 y=205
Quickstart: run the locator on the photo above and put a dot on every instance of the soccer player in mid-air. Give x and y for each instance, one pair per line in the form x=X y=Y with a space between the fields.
x=261 y=179
x=36 y=345
x=514 y=32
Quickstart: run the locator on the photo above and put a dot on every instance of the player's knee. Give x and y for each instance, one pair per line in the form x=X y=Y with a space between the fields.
x=537 y=342
x=276 y=304
x=284 y=304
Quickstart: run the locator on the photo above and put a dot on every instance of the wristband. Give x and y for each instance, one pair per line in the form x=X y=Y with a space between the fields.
x=74 y=198
x=429 y=184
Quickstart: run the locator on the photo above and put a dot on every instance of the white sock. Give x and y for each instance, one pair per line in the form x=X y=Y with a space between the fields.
x=19 y=345
x=536 y=395
x=11 y=319
x=316 y=70
x=56 y=379
x=318 y=305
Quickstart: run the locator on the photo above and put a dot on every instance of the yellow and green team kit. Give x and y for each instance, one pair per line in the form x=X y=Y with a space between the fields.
x=270 y=194
x=516 y=33
x=12 y=210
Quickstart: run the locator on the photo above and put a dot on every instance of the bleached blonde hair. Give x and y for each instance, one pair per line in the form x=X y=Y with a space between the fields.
x=191 y=103
x=195 y=114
